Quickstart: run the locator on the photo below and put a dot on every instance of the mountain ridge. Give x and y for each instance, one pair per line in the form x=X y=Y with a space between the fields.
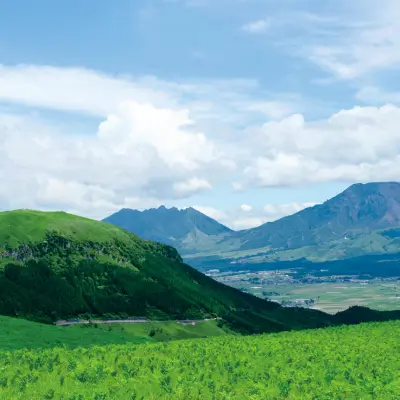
x=352 y=223
x=166 y=224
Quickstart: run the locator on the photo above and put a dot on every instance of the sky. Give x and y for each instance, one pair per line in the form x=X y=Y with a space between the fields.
x=248 y=110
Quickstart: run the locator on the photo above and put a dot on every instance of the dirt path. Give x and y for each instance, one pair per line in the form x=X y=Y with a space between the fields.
x=128 y=321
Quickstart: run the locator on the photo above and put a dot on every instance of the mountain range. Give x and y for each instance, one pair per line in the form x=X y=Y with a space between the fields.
x=363 y=220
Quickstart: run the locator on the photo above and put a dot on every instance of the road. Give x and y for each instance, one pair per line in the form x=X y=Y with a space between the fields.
x=128 y=321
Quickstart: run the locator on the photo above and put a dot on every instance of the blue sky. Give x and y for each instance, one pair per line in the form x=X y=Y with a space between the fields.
x=247 y=109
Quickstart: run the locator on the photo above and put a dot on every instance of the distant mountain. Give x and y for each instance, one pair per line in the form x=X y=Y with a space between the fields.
x=362 y=208
x=186 y=229
x=362 y=220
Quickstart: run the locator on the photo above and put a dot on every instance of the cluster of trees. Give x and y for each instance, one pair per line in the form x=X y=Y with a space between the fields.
x=61 y=278
x=358 y=362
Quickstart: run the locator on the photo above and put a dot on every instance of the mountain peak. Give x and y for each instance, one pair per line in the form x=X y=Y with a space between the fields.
x=361 y=207
x=166 y=225
x=384 y=188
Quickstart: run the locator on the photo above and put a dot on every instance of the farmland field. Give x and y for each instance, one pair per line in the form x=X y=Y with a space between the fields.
x=347 y=362
x=334 y=297
x=330 y=294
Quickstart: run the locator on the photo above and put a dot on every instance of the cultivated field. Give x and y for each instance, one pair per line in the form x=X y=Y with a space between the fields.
x=347 y=362
x=333 y=297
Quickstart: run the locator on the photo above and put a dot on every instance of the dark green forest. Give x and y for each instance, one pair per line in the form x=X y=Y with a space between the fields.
x=65 y=278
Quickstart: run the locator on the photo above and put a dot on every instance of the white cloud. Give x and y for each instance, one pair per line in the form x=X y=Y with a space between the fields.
x=277 y=211
x=74 y=89
x=139 y=151
x=242 y=223
x=148 y=148
x=246 y=217
x=213 y=213
x=246 y=207
x=359 y=144
x=270 y=212
x=257 y=27
x=231 y=101
x=349 y=40
x=191 y=186
x=366 y=41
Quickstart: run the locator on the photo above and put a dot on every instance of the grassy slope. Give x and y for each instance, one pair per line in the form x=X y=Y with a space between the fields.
x=335 y=363
x=22 y=226
x=18 y=333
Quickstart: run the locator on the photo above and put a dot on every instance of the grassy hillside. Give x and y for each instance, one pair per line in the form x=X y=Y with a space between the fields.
x=358 y=362
x=56 y=266
x=19 y=333
x=24 y=226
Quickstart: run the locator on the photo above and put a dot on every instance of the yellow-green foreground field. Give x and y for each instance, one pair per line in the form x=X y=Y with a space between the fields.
x=349 y=362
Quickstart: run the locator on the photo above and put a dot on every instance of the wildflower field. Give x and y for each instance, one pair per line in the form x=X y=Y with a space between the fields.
x=347 y=362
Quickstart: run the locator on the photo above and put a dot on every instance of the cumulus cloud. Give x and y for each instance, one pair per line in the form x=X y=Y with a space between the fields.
x=148 y=146
x=359 y=144
x=139 y=150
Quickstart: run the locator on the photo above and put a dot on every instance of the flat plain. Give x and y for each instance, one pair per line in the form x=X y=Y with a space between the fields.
x=330 y=297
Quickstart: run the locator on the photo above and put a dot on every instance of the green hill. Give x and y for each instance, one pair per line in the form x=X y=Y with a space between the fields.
x=57 y=266
x=23 y=226
x=357 y=362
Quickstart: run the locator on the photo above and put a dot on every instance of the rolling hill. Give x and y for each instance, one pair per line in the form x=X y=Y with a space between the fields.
x=57 y=266
x=362 y=221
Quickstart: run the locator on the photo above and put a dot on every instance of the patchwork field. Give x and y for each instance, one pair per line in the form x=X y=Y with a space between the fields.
x=332 y=297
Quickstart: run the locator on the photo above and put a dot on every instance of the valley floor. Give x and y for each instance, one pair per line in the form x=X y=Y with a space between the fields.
x=329 y=293
x=346 y=362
